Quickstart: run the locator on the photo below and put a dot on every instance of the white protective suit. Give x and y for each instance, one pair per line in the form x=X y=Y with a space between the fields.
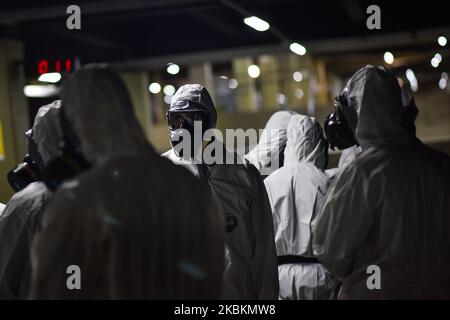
x=296 y=193
x=267 y=155
x=2 y=207
x=136 y=225
x=251 y=271
x=21 y=218
x=390 y=207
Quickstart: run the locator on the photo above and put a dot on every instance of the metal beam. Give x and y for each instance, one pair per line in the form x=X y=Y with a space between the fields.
x=316 y=47
x=353 y=10
x=87 y=8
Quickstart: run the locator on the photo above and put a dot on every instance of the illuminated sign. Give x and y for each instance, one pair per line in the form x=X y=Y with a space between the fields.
x=60 y=65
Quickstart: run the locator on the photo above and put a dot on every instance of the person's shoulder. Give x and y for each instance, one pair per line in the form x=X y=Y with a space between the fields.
x=284 y=173
x=35 y=192
x=167 y=154
x=28 y=201
x=438 y=157
x=146 y=168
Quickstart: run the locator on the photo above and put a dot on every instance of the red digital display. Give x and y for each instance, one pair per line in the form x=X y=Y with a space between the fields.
x=45 y=66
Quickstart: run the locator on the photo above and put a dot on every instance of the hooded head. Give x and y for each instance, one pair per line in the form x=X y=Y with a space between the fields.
x=271 y=143
x=194 y=97
x=190 y=103
x=46 y=137
x=98 y=107
x=374 y=106
x=305 y=142
x=44 y=141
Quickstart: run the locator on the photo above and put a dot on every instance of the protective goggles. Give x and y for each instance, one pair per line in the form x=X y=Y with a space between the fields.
x=184 y=119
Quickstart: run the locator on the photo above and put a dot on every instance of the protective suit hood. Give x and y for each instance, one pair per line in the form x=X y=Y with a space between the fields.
x=194 y=97
x=375 y=95
x=305 y=142
x=272 y=141
x=97 y=104
x=46 y=132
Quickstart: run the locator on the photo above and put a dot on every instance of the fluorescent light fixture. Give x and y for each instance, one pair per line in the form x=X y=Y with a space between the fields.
x=297 y=48
x=169 y=90
x=51 y=77
x=442 y=41
x=257 y=23
x=154 y=87
x=254 y=71
x=40 y=91
x=232 y=84
x=297 y=76
x=388 y=57
x=173 y=68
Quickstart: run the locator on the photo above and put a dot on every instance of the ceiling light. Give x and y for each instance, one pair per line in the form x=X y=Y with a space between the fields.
x=254 y=71
x=442 y=41
x=154 y=88
x=51 y=77
x=40 y=91
x=388 y=57
x=169 y=90
x=257 y=23
x=298 y=76
x=297 y=48
x=173 y=68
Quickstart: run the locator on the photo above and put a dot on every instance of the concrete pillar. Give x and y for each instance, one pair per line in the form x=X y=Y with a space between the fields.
x=323 y=100
x=246 y=94
x=270 y=80
x=202 y=74
x=14 y=118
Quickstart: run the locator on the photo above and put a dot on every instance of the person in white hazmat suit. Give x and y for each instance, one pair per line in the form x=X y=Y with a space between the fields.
x=116 y=224
x=383 y=229
x=296 y=193
x=251 y=270
x=21 y=218
x=268 y=155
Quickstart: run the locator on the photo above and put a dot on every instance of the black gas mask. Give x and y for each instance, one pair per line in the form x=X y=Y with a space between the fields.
x=185 y=120
x=23 y=174
x=29 y=170
x=69 y=163
x=336 y=127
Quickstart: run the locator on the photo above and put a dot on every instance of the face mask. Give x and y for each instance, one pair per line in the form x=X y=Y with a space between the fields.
x=23 y=174
x=179 y=121
x=336 y=128
x=176 y=138
x=29 y=170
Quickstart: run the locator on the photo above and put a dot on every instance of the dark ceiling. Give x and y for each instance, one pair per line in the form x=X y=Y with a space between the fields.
x=128 y=29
